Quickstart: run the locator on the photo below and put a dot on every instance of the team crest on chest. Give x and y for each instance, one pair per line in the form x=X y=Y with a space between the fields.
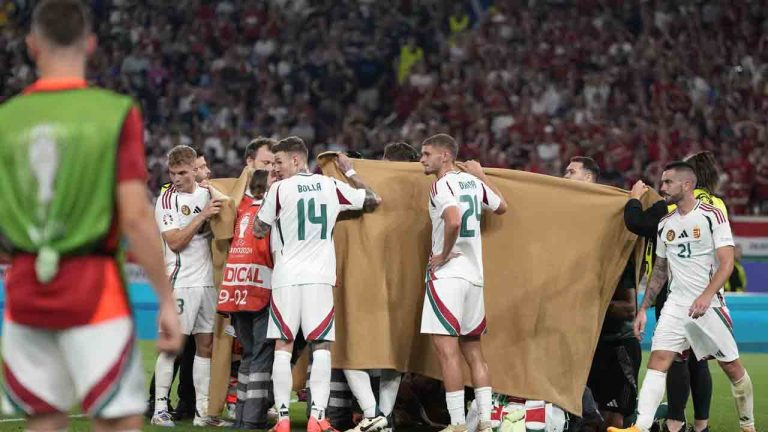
x=670 y=235
x=185 y=210
x=696 y=232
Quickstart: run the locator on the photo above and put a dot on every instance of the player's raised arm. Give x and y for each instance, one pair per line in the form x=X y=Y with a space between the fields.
x=372 y=200
x=493 y=200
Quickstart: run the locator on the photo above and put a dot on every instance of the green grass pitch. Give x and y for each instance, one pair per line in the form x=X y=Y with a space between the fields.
x=723 y=412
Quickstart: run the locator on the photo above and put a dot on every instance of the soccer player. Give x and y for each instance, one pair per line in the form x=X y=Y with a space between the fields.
x=182 y=213
x=302 y=208
x=687 y=373
x=695 y=252
x=184 y=363
x=68 y=335
x=616 y=362
x=379 y=416
x=454 y=313
x=245 y=295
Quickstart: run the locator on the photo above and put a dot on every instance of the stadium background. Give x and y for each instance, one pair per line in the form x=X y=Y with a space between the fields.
x=522 y=85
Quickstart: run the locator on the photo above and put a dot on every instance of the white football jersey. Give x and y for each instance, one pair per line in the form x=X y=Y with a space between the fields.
x=302 y=211
x=192 y=267
x=690 y=243
x=471 y=196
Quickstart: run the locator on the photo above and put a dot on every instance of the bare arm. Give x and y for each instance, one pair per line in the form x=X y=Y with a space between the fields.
x=658 y=279
x=260 y=228
x=178 y=239
x=474 y=168
x=371 y=199
x=136 y=221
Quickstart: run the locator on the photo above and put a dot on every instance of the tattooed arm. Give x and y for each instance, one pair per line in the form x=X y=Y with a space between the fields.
x=371 y=199
x=260 y=228
x=658 y=278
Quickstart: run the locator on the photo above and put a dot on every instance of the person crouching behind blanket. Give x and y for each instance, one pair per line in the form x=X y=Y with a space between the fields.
x=245 y=295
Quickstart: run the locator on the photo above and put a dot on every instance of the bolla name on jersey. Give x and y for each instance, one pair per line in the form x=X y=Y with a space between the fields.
x=467 y=184
x=310 y=188
x=245 y=274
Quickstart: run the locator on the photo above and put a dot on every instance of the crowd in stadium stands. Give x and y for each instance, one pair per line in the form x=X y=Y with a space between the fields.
x=523 y=85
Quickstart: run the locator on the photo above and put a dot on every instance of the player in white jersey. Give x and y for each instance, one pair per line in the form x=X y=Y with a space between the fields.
x=301 y=210
x=182 y=213
x=454 y=313
x=695 y=250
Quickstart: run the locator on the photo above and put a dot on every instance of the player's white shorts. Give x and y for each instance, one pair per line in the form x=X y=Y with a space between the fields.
x=453 y=307
x=97 y=366
x=710 y=335
x=309 y=306
x=197 y=308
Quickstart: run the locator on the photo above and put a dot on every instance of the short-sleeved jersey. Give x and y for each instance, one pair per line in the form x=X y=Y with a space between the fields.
x=302 y=211
x=689 y=243
x=471 y=196
x=192 y=267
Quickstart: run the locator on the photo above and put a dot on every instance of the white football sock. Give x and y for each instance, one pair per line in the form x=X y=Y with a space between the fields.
x=745 y=403
x=388 y=388
x=483 y=397
x=201 y=379
x=282 y=382
x=360 y=383
x=455 y=403
x=320 y=382
x=163 y=380
x=651 y=394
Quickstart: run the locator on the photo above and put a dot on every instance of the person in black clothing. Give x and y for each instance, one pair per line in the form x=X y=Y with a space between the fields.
x=686 y=375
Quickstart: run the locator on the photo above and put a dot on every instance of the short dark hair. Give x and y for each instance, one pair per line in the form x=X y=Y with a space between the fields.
x=62 y=22
x=443 y=140
x=258 y=183
x=400 y=151
x=292 y=144
x=199 y=151
x=679 y=166
x=588 y=164
x=253 y=147
x=704 y=166
x=682 y=166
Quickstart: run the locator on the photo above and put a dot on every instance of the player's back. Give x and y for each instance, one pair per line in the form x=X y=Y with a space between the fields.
x=305 y=209
x=59 y=146
x=67 y=139
x=471 y=196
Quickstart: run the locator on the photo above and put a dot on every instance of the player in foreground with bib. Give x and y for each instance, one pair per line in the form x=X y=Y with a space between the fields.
x=454 y=312
x=695 y=250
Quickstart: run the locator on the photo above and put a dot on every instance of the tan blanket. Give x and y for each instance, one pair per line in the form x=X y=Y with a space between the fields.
x=551 y=265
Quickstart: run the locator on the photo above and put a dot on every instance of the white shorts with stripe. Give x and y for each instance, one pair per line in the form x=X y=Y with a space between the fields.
x=710 y=335
x=309 y=306
x=197 y=308
x=453 y=307
x=97 y=366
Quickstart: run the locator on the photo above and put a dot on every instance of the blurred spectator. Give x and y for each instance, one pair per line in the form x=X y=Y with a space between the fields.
x=523 y=85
